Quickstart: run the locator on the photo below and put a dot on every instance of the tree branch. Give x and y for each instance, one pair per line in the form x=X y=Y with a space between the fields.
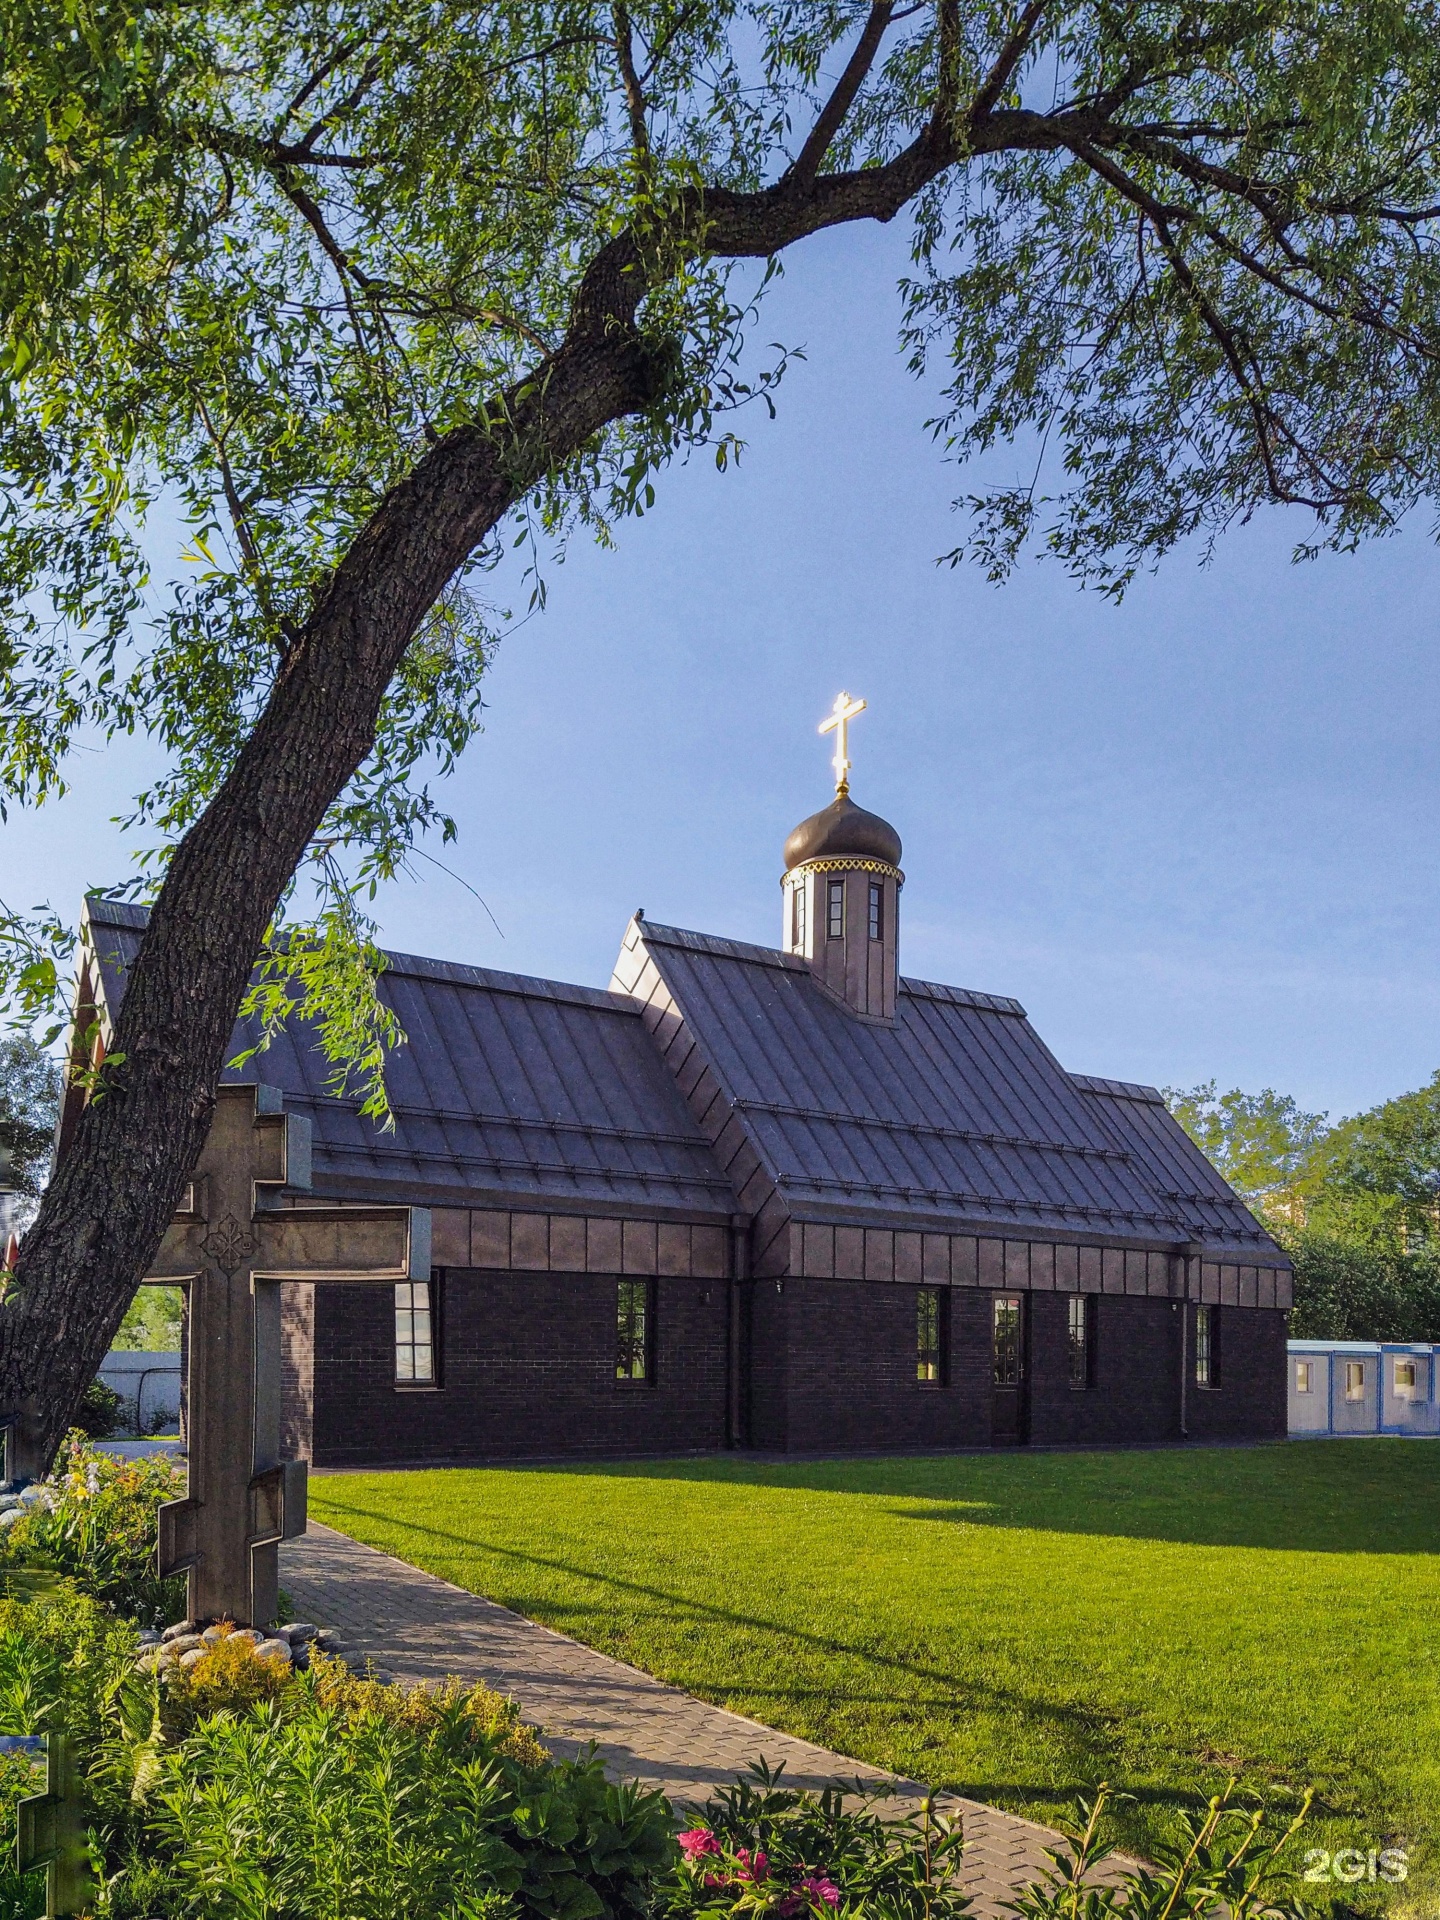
x=634 y=92
x=1007 y=60
x=831 y=117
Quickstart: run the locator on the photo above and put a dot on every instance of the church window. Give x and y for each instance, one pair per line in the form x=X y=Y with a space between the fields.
x=635 y=1333
x=930 y=1337
x=1008 y=1356
x=415 y=1333
x=1207 y=1346
x=835 y=909
x=1082 y=1340
x=797 y=917
x=877 y=900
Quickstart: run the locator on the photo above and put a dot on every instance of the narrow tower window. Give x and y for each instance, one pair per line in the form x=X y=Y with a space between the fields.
x=1082 y=1340
x=929 y=1337
x=797 y=917
x=877 y=906
x=414 y=1334
x=634 y=1330
x=1207 y=1346
x=835 y=909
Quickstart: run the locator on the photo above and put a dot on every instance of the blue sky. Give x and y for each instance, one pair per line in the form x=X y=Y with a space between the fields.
x=1196 y=834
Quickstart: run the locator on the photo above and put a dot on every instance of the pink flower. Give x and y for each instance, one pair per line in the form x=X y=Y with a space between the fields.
x=697 y=1841
x=819 y=1888
x=752 y=1870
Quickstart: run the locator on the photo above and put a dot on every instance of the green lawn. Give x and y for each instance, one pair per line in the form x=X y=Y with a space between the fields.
x=1015 y=1626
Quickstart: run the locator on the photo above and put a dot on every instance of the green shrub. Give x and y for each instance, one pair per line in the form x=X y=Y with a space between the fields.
x=318 y=1811
x=1355 y=1290
x=98 y=1414
x=96 y=1524
x=763 y=1849
x=22 y=1896
x=1232 y=1859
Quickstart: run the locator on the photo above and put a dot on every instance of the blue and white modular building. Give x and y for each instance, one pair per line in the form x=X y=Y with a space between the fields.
x=1363 y=1386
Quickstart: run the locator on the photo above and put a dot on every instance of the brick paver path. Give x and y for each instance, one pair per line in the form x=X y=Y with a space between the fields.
x=421 y=1628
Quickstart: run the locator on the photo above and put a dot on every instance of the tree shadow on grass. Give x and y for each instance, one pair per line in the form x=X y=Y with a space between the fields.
x=1347 y=1497
x=1086 y=1736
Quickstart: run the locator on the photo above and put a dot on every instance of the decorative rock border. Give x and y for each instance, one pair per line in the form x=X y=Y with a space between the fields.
x=186 y=1642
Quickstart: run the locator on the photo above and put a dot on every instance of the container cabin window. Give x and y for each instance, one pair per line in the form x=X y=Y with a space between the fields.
x=1009 y=1358
x=1302 y=1377
x=797 y=918
x=1405 y=1379
x=635 y=1333
x=1082 y=1340
x=415 y=1317
x=835 y=909
x=1354 y=1379
x=929 y=1337
x=877 y=911
x=1207 y=1346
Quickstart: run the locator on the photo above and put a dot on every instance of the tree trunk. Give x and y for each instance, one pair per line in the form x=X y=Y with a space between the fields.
x=106 y=1209
x=113 y=1193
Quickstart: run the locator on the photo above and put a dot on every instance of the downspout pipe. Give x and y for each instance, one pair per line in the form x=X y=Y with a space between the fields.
x=1190 y=1253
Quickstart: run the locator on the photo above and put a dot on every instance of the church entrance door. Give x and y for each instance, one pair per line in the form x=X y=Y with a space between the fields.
x=1007 y=1351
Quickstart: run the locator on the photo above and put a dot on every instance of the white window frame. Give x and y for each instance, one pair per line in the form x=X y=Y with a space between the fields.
x=415 y=1333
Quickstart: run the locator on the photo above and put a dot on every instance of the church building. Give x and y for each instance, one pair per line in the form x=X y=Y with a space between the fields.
x=780 y=1198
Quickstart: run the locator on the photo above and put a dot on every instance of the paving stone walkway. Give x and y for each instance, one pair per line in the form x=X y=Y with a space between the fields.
x=420 y=1628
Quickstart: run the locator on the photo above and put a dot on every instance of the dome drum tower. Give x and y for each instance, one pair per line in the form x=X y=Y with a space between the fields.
x=841 y=892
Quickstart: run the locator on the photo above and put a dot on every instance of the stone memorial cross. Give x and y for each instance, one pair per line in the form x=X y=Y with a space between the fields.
x=240 y=1233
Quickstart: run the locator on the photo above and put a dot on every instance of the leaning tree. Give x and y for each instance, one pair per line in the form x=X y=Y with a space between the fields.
x=352 y=292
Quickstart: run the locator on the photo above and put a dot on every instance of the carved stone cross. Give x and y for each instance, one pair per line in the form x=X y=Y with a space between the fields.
x=232 y=1244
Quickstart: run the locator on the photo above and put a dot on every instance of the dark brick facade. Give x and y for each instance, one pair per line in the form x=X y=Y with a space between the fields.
x=528 y=1371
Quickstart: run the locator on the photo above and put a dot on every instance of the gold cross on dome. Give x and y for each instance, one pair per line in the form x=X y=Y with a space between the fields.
x=837 y=721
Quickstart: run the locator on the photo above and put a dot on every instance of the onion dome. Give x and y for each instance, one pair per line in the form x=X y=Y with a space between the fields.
x=843 y=831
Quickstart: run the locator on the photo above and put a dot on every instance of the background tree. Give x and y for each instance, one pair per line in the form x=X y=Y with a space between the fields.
x=358 y=290
x=29 y=1107
x=1354 y=1204
x=1261 y=1142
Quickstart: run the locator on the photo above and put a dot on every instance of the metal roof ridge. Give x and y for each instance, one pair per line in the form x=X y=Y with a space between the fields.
x=1119 y=1089
x=460 y=973
x=962 y=996
x=101 y=911
x=726 y=949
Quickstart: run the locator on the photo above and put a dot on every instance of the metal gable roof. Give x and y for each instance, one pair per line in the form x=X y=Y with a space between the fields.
x=1177 y=1171
x=956 y=1114
x=508 y=1091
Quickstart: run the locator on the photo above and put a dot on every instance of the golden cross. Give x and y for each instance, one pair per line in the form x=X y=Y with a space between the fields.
x=837 y=721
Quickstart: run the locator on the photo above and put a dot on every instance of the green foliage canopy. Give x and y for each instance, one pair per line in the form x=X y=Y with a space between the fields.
x=1261 y=1142
x=29 y=1105
x=258 y=256
x=1356 y=1205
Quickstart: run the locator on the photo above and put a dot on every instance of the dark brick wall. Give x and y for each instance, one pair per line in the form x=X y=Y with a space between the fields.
x=1135 y=1391
x=1250 y=1401
x=840 y=1369
x=835 y=1368
x=528 y=1370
